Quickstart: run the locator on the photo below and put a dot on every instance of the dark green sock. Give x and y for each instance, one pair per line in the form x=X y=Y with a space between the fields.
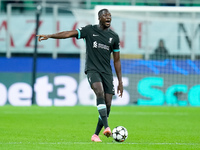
x=99 y=127
x=103 y=114
x=100 y=124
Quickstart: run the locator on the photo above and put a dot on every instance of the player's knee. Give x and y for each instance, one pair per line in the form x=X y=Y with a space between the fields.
x=99 y=93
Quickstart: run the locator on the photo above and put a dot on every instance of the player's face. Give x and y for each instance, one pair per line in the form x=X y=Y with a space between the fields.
x=105 y=19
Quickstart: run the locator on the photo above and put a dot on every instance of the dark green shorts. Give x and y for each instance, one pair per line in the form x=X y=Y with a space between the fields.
x=106 y=79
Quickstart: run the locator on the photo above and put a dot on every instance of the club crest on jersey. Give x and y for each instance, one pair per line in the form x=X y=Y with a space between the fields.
x=110 y=40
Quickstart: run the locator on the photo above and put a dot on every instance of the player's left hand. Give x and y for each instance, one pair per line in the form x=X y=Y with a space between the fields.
x=120 y=89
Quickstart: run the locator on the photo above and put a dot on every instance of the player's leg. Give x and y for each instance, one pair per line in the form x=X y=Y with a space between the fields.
x=96 y=84
x=109 y=92
x=108 y=99
x=99 y=126
x=101 y=106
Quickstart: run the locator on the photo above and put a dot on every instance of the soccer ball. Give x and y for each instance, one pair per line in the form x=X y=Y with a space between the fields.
x=119 y=133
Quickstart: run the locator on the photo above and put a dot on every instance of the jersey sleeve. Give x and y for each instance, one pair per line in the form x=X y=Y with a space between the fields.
x=116 y=46
x=82 y=32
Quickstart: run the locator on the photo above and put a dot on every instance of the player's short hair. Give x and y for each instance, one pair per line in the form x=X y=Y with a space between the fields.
x=101 y=11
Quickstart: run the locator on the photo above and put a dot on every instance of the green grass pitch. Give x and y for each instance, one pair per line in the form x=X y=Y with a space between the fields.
x=71 y=128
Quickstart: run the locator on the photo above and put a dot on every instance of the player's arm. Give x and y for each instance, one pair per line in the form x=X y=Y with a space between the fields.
x=117 y=65
x=59 y=35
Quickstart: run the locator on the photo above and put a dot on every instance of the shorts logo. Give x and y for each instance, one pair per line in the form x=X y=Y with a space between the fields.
x=89 y=79
x=113 y=87
x=113 y=90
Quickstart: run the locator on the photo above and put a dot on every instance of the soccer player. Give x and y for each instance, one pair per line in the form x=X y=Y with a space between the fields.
x=101 y=41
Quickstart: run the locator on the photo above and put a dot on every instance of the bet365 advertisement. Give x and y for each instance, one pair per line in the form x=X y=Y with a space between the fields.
x=156 y=83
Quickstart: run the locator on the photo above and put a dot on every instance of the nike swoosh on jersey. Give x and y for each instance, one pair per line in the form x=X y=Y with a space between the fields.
x=95 y=35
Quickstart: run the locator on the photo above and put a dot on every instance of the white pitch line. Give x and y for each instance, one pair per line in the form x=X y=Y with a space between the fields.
x=87 y=143
x=150 y=113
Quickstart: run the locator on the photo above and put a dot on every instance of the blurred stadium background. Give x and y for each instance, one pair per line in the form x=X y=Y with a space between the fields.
x=160 y=51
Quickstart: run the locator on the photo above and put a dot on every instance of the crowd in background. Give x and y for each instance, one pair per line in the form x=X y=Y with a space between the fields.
x=21 y=4
x=83 y=3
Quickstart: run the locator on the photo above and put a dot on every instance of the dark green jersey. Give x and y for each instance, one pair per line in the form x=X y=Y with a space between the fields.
x=99 y=46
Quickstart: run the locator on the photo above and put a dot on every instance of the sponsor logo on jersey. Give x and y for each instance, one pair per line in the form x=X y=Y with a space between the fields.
x=100 y=45
x=95 y=44
x=103 y=46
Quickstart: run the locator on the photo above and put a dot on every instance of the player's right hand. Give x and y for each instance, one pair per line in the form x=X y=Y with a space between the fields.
x=120 y=89
x=42 y=37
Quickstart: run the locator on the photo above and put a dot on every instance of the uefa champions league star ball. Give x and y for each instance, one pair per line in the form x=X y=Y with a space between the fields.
x=120 y=134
